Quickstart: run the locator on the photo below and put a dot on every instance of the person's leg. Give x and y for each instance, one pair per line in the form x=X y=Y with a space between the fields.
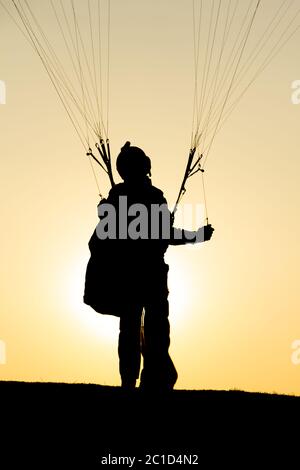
x=129 y=348
x=159 y=371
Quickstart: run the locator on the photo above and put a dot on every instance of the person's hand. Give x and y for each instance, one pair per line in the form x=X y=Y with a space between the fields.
x=205 y=233
x=208 y=231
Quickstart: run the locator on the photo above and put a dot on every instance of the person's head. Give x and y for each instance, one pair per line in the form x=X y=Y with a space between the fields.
x=133 y=164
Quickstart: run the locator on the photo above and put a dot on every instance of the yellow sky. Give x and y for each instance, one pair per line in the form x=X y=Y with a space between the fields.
x=234 y=301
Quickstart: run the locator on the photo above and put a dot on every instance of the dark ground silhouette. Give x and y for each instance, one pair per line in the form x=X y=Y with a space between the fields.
x=80 y=423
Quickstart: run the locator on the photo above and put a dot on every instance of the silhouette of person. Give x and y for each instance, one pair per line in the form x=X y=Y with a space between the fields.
x=136 y=273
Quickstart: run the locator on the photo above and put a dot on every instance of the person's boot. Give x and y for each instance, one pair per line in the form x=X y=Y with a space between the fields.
x=160 y=377
x=128 y=384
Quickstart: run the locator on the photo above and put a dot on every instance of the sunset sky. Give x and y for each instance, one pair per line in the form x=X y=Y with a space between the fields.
x=235 y=300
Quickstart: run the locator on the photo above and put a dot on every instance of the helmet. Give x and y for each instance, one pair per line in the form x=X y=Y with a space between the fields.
x=133 y=163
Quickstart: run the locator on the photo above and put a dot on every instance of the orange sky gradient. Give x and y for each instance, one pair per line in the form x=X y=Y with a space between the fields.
x=234 y=301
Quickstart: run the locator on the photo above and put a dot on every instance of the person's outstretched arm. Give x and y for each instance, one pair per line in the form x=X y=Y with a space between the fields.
x=183 y=237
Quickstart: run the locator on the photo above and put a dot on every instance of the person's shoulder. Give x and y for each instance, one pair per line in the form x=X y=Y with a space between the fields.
x=158 y=194
x=156 y=190
x=117 y=190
